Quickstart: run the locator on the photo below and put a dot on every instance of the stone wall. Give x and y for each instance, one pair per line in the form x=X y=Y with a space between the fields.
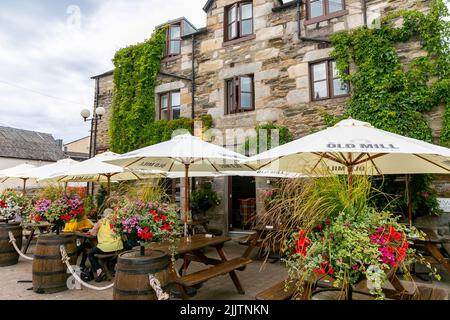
x=279 y=61
x=105 y=99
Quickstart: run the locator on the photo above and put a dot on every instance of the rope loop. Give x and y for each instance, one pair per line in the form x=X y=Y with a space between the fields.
x=13 y=241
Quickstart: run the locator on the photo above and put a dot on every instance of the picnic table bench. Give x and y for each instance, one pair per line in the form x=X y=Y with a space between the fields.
x=193 y=251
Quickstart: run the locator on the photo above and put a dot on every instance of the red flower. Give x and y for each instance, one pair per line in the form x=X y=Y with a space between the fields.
x=328 y=222
x=165 y=227
x=163 y=218
x=322 y=270
x=302 y=243
x=330 y=271
x=153 y=212
x=66 y=217
x=3 y=204
x=156 y=218
x=425 y=195
x=145 y=234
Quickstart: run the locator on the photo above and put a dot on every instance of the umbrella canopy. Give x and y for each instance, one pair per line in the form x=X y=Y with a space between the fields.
x=96 y=170
x=183 y=153
x=18 y=174
x=355 y=147
x=44 y=172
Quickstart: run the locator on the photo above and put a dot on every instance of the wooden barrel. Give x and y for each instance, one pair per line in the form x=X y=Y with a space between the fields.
x=132 y=271
x=8 y=255
x=49 y=272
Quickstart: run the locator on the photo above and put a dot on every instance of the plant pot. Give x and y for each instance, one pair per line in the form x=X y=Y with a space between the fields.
x=8 y=255
x=132 y=274
x=49 y=272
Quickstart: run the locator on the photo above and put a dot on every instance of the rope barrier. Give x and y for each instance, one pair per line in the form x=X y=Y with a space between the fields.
x=156 y=285
x=13 y=240
x=65 y=259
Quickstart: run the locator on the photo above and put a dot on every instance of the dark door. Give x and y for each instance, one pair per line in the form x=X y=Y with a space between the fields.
x=242 y=204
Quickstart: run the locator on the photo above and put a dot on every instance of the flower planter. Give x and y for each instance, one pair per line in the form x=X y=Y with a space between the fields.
x=49 y=272
x=132 y=274
x=8 y=255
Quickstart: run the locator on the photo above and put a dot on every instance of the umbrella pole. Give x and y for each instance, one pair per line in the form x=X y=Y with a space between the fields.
x=108 y=177
x=408 y=195
x=186 y=197
x=24 y=186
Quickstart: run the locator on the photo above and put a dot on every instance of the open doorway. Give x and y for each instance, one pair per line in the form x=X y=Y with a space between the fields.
x=242 y=204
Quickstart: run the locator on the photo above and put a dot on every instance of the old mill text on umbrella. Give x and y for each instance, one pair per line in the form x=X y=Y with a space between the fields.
x=362 y=146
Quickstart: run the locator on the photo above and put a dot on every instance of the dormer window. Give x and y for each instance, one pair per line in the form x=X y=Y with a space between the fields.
x=173 y=47
x=321 y=10
x=239 y=21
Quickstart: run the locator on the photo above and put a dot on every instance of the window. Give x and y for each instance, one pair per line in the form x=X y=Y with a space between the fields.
x=320 y=10
x=239 y=94
x=325 y=81
x=169 y=105
x=173 y=46
x=238 y=21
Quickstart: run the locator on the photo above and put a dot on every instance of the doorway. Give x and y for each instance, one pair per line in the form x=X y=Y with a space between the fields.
x=242 y=204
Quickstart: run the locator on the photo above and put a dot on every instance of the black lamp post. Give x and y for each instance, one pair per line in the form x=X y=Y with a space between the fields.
x=98 y=114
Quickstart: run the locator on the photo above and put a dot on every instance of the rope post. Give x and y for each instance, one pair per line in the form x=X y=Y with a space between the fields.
x=156 y=285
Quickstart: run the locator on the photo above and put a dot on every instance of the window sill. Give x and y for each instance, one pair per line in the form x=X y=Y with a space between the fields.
x=331 y=98
x=336 y=14
x=239 y=113
x=238 y=40
x=170 y=58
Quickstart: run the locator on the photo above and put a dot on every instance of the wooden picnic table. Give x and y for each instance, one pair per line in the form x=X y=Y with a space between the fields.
x=431 y=245
x=42 y=226
x=193 y=251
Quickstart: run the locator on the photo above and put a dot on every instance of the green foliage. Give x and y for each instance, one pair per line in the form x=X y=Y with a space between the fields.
x=204 y=199
x=135 y=78
x=101 y=195
x=391 y=95
x=253 y=143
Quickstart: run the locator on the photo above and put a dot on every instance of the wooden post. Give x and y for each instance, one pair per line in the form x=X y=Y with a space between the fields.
x=408 y=195
x=186 y=197
x=24 y=186
x=108 y=177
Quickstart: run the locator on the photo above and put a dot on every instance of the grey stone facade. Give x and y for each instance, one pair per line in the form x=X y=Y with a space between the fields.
x=279 y=60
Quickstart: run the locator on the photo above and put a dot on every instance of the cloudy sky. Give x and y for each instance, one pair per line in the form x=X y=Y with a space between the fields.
x=49 y=49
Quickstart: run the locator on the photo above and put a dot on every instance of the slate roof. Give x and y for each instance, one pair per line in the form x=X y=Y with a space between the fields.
x=29 y=145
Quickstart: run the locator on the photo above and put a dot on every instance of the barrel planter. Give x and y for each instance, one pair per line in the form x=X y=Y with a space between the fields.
x=49 y=272
x=132 y=274
x=8 y=255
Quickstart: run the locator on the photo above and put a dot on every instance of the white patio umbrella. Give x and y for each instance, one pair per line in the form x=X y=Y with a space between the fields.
x=96 y=170
x=355 y=147
x=184 y=153
x=17 y=174
x=44 y=172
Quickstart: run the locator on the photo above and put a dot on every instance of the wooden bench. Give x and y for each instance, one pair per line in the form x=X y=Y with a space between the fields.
x=104 y=259
x=281 y=291
x=199 y=277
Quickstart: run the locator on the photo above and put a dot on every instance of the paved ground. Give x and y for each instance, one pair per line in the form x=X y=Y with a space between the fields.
x=256 y=277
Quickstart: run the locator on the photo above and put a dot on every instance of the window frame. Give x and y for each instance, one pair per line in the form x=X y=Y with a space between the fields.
x=327 y=15
x=329 y=81
x=239 y=37
x=169 y=104
x=169 y=40
x=235 y=95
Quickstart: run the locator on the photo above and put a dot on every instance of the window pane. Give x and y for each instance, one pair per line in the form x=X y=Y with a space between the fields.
x=176 y=99
x=175 y=32
x=165 y=114
x=334 y=68
x=246 y=84
x=164 y=102
x=335 y=5
x=175 y=47
x=232 y=14
x=339 y=87
x=320 y=90
x=246 y=101
x=176 y=111
x=232 y=30
x=247 y=27
x=316 y=8
x=247 y=11
x=320 y=71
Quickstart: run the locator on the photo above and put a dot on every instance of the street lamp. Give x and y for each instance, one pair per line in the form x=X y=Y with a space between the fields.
x=98 y=114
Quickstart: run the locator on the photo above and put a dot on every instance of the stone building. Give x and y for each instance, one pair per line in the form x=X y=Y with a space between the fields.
x=255 y=62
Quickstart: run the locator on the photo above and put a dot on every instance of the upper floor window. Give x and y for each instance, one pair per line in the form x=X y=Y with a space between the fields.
x=238 y=20
x=173 y=47
x=325 y=81
x=320 y=10
x=169 y=105
x=239 y=94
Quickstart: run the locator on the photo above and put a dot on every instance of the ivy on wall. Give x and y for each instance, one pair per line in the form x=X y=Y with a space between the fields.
x=390 y=94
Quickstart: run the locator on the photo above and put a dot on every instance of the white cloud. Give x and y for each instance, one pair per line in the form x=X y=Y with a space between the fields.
x=47 y=55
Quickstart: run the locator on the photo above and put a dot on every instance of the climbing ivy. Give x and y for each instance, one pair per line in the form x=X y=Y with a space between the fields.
x=253 y=143
x=389 y=93
x=135 y=78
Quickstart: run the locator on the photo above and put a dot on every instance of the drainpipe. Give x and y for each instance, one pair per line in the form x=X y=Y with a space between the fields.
x=193 y=81
x=364 y=7
x=299 y=18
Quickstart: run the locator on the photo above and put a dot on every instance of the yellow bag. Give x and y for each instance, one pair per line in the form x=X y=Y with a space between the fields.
x=74 y=225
